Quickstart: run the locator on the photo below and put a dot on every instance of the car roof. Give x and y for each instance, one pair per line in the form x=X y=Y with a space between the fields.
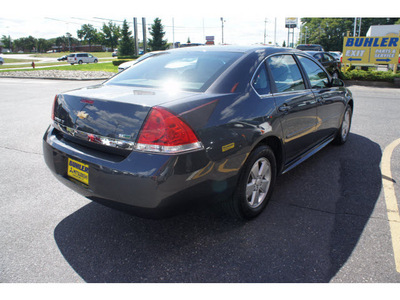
x=309 y=45
x=315 y=52
x=236 y=48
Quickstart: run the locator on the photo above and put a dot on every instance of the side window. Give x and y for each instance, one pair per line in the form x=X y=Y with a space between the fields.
x=260 y=81
x=285 y=73
x=317 y=76
x=319 y=57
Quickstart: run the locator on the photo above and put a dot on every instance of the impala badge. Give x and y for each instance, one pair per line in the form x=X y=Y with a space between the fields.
x=82 y=115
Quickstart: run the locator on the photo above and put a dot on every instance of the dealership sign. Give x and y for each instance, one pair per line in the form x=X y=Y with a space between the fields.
x=371 y=50
x=291 y=22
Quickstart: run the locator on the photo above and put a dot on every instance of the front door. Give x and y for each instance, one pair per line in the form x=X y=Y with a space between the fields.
x=296 y=104
x=330 y=99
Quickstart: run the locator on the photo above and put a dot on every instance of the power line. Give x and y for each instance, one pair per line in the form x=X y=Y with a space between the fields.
x=53 y=19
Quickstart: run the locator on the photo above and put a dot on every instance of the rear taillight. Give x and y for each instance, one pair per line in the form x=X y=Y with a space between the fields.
x=54 y=106
x=164 y=132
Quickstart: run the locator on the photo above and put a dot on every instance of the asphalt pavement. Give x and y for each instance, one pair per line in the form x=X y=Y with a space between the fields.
x=327 y=220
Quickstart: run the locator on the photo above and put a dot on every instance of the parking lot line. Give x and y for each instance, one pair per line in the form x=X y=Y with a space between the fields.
x=391 y=201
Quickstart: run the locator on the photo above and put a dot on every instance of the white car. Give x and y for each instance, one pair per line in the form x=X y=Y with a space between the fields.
x=80 y=58
x=336 y=55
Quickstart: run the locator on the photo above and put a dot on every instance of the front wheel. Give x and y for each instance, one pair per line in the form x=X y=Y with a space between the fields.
x=255 y=185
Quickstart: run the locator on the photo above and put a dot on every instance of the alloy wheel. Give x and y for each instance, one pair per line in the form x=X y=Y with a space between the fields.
x=258 y=182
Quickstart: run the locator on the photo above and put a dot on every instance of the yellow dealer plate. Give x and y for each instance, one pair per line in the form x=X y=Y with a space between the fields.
x=78 y=171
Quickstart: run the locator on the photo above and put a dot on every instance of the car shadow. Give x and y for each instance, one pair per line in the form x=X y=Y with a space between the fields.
x=306 y=234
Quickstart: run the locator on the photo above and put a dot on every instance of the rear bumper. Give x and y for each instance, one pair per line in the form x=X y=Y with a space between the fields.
x=149 y=185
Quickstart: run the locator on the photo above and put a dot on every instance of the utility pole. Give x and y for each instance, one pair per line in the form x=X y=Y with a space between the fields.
x=144 y=35
x=265 y=31
x=135 y=33
x=173 y=33
x=222 y=21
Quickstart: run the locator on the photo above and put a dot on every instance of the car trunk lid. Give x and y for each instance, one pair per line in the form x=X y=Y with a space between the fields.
x=106 y=115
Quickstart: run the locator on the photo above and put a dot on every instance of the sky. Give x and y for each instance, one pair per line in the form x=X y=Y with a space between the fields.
x=244 y=21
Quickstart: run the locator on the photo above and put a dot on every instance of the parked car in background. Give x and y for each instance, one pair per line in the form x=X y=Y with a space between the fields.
x=81 y=58
x=198 y=123
x=310 y=47
x=336 y=55
x=328 y=61
x=62 y=58
x=1 y=60
x=115 y=53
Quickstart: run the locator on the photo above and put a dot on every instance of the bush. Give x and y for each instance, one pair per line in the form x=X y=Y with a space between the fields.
x=120 y=61
x=370 y=75
x=129 y=57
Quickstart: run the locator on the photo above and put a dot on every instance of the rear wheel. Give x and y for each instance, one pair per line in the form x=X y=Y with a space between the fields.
x=255 y=184
x=344 y=130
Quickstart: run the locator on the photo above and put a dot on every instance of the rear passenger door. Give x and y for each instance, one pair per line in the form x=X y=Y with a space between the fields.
x=296 y=105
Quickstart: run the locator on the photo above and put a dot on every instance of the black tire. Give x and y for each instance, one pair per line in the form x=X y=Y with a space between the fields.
x=95 y=61
x=80 y=62
x=343 y=133
x=247 y=203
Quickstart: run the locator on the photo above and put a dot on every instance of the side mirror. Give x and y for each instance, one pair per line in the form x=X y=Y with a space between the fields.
x=337 y=82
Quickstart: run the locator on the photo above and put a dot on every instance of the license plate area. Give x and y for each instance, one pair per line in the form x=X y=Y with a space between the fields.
x=78 y=171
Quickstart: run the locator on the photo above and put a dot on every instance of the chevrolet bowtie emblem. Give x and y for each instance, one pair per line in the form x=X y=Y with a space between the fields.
x=82 y=115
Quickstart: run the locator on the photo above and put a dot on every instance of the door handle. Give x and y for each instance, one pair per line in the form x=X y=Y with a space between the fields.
x=284 y=108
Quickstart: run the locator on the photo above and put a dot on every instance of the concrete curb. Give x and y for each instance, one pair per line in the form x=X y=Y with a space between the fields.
x=55 y=78
x=381 y=84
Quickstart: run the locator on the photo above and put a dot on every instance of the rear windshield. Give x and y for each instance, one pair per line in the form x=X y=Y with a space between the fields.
x=190 y=71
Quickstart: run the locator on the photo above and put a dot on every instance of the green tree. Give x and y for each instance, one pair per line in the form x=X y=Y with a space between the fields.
x=88 y=34
x=126 y=45
x=111 y=34
x=367 y=22
x=330 y=32
x=27 y=44
x=157 y=32
x=43 y=45
x=6 y=40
